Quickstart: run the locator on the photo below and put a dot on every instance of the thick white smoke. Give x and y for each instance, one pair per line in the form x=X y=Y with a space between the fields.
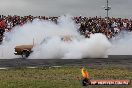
x=93 y=47
x=54 y=47
x=122 y=44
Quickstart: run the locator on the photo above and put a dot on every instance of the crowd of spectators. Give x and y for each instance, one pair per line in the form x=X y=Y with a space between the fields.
x=88 y=25
x=108 y=26
x=8 y=22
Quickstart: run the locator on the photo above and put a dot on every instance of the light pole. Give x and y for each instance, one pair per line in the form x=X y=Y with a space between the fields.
x=107 y=8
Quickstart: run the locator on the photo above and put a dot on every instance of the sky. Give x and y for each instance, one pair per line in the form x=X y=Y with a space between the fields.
x=120 y=8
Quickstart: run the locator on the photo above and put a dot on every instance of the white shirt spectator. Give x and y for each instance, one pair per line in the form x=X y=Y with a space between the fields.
x=116 y=30
x=9 y=25
x=114 y=24
x=125 y=24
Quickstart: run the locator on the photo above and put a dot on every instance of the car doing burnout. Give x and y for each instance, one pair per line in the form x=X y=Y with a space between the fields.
x=23 y=50
x=26 y=50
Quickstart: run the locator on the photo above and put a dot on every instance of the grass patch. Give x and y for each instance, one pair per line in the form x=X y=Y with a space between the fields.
x=63 y=77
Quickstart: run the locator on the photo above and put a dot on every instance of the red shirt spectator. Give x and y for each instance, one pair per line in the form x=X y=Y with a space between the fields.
x=2 y=24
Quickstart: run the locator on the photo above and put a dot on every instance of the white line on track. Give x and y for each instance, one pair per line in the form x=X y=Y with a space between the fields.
x=3 y=68
x=30 y=67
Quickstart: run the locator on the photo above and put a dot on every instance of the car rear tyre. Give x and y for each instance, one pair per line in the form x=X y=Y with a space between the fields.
x=25 y=54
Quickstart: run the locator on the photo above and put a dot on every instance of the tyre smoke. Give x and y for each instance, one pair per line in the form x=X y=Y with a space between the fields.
x=47 y=35
x=121 y=44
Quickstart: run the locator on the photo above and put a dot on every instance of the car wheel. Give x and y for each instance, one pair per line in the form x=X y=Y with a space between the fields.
x=25 y=54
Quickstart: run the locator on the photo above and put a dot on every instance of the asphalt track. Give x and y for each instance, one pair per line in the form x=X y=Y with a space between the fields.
x=120 y=60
